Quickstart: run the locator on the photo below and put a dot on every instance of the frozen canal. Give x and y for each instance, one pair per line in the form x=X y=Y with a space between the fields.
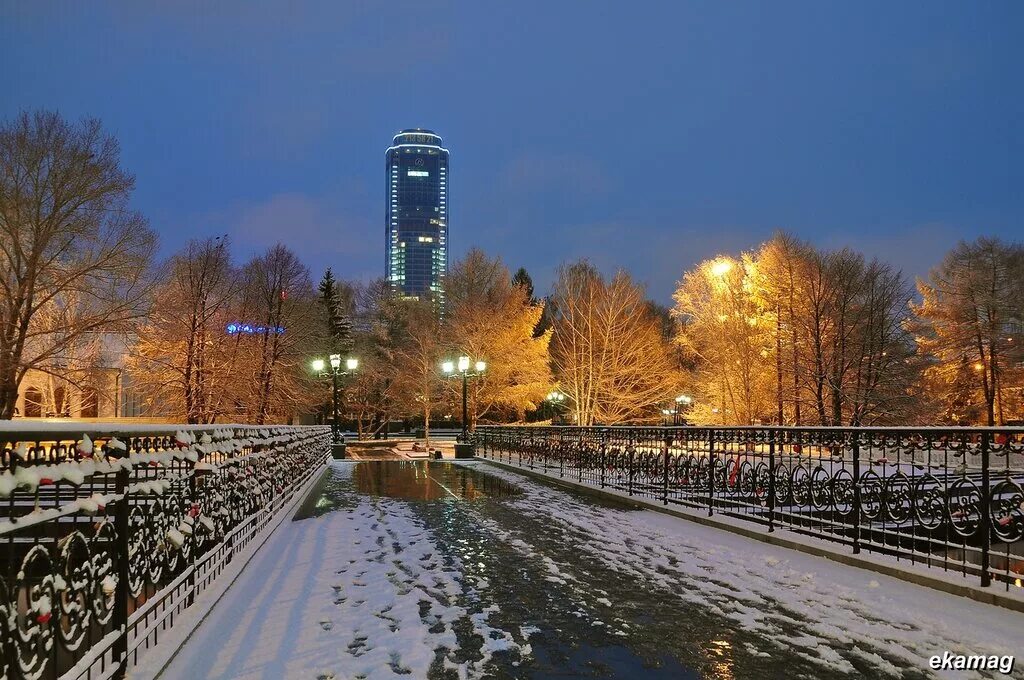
x=445 y=570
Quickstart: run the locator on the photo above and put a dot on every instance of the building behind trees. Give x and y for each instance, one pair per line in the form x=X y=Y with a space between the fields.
x=416 y=214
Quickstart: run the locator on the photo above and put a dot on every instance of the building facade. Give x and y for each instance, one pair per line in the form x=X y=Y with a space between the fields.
x=416 y=216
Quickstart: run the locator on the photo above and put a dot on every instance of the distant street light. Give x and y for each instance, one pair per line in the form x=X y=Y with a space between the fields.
x=554 y=400
x=335 y=372
x=448 y=368
x=683 y=401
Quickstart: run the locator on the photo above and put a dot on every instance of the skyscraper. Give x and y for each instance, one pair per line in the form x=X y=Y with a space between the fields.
x=416 y=217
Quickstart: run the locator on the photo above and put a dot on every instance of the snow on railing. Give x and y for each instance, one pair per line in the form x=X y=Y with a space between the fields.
x=110 y=531
x=949 y=498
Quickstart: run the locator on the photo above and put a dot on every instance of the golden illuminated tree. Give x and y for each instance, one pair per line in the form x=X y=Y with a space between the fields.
x=607 y=348
x=722 y=325
x=180 y=365
x=820 y=332
x=490 y=318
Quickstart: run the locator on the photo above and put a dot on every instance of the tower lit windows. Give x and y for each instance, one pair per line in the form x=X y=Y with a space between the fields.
x=416 y=220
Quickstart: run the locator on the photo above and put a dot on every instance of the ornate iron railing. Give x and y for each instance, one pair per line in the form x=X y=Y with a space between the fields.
x=110 y=534
x=948 y=498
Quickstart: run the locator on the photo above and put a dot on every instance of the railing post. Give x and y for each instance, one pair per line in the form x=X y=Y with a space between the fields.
x=629 y=482
x=122 y=593
x=711 y=472
x=986 y=506
x=664 y=478
x=773 y=435
x=194 y=537
x=604 y=455
x=856 y=493
x=579 y=460
x=561 y=456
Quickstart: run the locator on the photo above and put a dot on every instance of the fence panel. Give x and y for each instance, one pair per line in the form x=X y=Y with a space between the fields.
x=948 y=498
x=111 y=534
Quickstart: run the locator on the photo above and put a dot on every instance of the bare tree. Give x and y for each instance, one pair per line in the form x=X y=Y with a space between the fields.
x=489 y=316
x=779 y=290
x=821 y=331
x=279 y=297
x=182 y=363
x=971 y=311
x=607 y=349
x=68 y=243
x=723 y=327
x=418 y=348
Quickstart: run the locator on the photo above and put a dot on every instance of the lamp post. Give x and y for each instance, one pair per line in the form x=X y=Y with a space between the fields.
x=554 y=400
x=334 y=360
x=463 y=449
x=682 y=401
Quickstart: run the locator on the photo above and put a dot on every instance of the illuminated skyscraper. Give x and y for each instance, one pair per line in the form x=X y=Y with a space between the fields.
x=416 y=217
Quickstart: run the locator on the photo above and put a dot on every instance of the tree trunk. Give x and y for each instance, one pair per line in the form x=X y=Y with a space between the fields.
x=8 y=394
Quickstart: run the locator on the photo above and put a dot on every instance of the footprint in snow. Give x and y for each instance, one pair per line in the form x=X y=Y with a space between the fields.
x=327 y=624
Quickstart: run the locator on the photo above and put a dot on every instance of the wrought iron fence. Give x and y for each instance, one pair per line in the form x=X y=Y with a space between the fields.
x=109 y=535
x=948 y=498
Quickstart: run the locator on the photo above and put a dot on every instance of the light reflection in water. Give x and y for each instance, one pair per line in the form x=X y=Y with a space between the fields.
x=427 y=481
x=720 y=656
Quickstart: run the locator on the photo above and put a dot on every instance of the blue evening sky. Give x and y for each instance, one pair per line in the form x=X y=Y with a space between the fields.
x=638 y=134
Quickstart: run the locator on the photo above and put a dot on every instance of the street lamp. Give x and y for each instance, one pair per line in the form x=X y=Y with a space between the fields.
x=554 y=400
x=721 y=267
x=319 y=367
x=448 y=367
x=682 y=401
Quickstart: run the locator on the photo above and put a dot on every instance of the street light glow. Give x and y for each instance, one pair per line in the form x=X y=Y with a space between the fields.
x=721 y=267
x=335 y=361
x=463 y=363
x=481 y=366
x=447 y=367
x=318 y=365
x=352 y=364
x=684 y=399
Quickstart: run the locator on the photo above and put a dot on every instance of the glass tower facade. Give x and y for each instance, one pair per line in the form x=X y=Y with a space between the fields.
x=416 y=217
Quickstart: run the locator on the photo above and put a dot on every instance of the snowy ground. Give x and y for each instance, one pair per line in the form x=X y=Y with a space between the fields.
x=548 y=584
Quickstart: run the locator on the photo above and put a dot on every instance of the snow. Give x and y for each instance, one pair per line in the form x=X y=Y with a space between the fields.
x=837 y=611
x=364 y=592
x=353 y=593
x=85 y=447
